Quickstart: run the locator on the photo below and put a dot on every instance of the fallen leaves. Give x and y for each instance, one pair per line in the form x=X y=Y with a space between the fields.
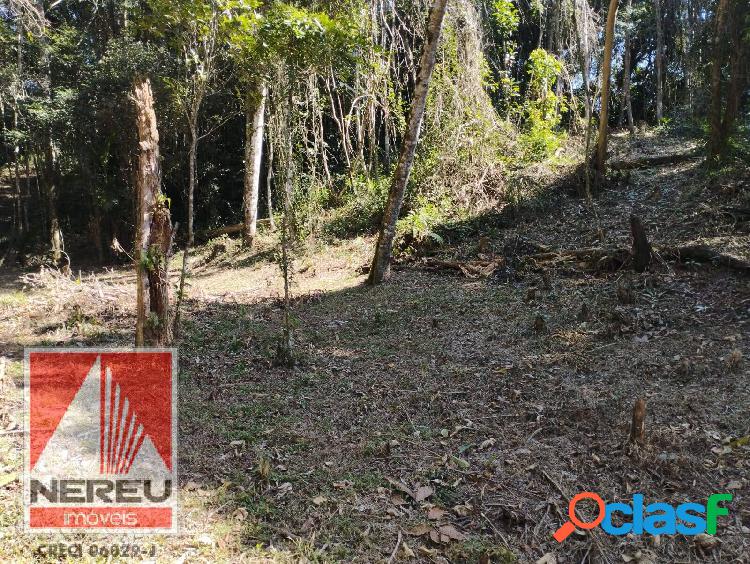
x=423 y=493
x=436 y=513
x=487 y=444
x=446 y=533
x=639 y=557
x=439 y=534
x=419 y=530
x=420 y=494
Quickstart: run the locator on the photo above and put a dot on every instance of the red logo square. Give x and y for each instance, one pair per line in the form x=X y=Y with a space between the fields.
x=101 y=440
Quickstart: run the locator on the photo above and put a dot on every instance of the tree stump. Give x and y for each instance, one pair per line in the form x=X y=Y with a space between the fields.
x=638 y=426
x=641 y=246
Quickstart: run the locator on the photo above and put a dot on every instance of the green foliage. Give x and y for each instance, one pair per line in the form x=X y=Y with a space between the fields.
x=463 y=142
x=360 y=207
x=306 y=40
x=543 y=109
x=421 y=221
x=506 y=17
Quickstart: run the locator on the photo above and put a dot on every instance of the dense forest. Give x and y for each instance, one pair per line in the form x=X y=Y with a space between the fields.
x=432 y=268
x=260 y=106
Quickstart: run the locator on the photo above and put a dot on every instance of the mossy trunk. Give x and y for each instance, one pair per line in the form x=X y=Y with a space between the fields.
x=153 y=228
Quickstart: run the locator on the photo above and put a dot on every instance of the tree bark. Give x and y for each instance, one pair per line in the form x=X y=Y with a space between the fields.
x=715 y=138
x=585 y=57
x=153 y=228
x=659 y=63
x=628 y=103
x=192 y=172
x=638 y=426
x=384 y=248
x=158 y=330
x=50 y=192
x=738 y=74
x=641 y=247
x=254 y=129
x=269 y=182
x=601 y=145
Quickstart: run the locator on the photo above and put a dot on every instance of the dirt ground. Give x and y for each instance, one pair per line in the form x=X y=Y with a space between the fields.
x=441 y=417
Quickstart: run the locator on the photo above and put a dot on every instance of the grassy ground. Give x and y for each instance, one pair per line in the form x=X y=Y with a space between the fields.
x=435 y=418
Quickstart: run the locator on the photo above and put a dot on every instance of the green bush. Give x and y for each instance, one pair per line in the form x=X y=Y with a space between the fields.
x=543 y=109
x=361 y=209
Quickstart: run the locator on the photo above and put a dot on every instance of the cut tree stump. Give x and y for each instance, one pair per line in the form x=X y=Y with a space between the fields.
x=638 y=426
x=641 y=246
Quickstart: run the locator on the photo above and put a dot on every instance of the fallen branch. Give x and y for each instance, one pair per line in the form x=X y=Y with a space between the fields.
x=614 y=259
x=701 y=253
x=659 y=160
x=470 y=269
x=739 y=214
x=227 y=230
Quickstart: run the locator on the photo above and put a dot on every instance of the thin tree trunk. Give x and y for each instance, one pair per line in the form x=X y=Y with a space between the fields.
x=738 y=77
x=50 y=167
x=715 y=140
x=285 y=350
x=601 y=146
x=691 y=64
x=584 y=53
x=659 y=63
x=17 y=149
x=50 y=185
x=153 y=228
x=269 y=182
x=181 y=294
x=192 y=172
x=254 y=129
x=17 y=174
x=384 y=249
x=626 y=71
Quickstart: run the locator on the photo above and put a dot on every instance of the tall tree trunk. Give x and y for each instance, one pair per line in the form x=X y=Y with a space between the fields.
x=601 y=145
x=192 y=173
x=254 y=129
x=50 y=191
x=691 y=62
x=659 y=63
x=737 y=74
x=384 y=249
x=50 y=166
x=715 y=138
x=153 y=228
x=626 y=71
x=584 y=51
x=17 y=173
